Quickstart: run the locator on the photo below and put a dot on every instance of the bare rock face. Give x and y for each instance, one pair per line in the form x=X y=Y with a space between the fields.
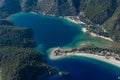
x=56 y=7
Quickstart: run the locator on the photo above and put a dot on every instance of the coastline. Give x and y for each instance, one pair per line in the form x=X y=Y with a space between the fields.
x=95 y=35
x=76 y=20
x=111 y=60
x=73 y=19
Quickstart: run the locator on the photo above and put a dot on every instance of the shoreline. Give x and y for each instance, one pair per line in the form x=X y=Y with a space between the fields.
x=95 y=35
x=72 y=19
x=111 y=60
x=77 y=21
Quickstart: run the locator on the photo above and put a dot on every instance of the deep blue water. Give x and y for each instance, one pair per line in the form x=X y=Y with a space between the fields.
x=53 y=32
x=81 y=68
x=48 y=31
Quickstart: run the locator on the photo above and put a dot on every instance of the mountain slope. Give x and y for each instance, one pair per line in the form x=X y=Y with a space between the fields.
x=97 y=11
x=112 y=25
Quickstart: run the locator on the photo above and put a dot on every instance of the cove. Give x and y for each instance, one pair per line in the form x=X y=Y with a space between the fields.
x=48 y=31
x=53 y=32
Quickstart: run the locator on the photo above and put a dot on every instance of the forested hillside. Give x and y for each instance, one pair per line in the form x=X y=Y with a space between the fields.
x=23 y=64
x=18 y=59
x=19 y=37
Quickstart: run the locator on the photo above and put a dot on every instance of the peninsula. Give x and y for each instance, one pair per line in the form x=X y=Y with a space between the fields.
x=96 y=53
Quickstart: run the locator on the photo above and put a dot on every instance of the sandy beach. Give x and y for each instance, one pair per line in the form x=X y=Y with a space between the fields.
x=111 y=60
x=33 y=12
x=73 y=21
x=85 y=30
x=95 y=35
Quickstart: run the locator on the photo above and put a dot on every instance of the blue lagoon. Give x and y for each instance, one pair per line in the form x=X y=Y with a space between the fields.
x=53 y=32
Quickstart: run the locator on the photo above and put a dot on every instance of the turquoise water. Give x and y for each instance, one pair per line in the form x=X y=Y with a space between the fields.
x=52 y=32
x=48 y=31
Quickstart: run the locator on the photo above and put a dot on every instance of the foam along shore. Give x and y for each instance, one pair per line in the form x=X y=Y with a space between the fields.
x=110 y=60
x=95 y=35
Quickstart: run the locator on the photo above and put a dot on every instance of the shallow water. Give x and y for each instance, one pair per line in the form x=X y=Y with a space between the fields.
x=53 y=32
x=48 y=31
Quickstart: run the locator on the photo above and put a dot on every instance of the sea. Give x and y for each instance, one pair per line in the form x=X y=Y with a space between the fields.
x=50 y=32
